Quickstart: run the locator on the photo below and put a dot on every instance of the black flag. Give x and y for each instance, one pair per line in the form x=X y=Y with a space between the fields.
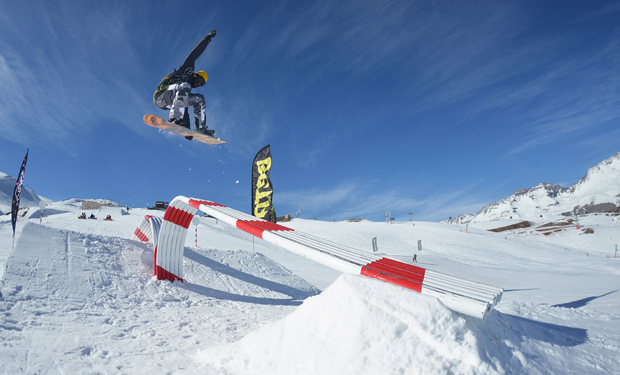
x=17 y=193
x=262 y=190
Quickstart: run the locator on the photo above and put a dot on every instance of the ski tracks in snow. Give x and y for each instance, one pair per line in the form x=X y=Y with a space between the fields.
x=75 y=300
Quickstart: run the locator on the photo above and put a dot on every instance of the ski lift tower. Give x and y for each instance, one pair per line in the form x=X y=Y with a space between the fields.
x=410 y=213
x=576 y=217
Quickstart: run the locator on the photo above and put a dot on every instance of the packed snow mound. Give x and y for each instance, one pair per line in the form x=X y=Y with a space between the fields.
x=7 y=185
x=597 y=191
x=360 y=325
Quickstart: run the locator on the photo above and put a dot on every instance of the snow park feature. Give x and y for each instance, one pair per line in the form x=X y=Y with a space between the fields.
x=464 y=296
x=148 y=230
x=79 y=296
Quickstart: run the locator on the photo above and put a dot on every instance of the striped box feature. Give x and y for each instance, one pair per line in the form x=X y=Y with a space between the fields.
x=463 y=296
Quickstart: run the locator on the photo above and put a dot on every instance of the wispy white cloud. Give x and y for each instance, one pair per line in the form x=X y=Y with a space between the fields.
x=576 y=98
x=371 y=199
x=67 y=78
x=483 y=57
x=605 y=11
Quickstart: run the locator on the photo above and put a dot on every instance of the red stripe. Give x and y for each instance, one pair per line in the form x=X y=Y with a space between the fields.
x=392 y=279
x=395 y=272
x=196 y=204
x=148 y=218
x=186 y=219
x=162 y=274
x=401 y=265
x=155 y=261
x=267 y=225
x=178 y=217
x=169 y=212
x=141 y=236
x=251 y=229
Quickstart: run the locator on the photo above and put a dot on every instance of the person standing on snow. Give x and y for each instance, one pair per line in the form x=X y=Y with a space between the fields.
x=174 y=92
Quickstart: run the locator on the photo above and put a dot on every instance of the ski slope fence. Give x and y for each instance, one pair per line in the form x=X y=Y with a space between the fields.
x=460 y=295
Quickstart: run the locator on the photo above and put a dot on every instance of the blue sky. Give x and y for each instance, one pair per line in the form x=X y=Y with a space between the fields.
x=429 y=107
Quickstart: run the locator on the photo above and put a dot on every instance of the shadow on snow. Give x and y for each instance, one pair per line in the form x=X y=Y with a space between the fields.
x=297 y=295
x=581 y=302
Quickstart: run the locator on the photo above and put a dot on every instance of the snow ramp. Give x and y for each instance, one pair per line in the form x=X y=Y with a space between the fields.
x=464 y=296
x=112 y=211
x=362 y=326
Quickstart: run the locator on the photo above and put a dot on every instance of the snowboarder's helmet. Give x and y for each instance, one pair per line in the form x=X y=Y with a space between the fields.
x=200 y=78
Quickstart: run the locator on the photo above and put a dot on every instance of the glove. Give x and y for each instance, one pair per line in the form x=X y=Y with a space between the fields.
x=212 y=33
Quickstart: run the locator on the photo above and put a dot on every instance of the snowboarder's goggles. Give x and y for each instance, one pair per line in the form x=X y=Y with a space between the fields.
x=199 y=80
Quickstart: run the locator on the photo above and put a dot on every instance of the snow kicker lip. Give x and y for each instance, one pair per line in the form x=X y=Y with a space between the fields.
x=460 y=295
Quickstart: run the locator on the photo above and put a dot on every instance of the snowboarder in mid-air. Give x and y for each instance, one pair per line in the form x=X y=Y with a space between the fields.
x=174 y=92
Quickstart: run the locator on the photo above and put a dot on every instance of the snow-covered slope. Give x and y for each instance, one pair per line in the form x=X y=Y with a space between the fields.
x=7 y=185
x=79 y=297
x=597 y=191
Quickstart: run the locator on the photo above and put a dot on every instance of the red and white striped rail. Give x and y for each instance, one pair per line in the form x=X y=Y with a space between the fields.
x=171 y=242
x=148 y=230
x=464 y=296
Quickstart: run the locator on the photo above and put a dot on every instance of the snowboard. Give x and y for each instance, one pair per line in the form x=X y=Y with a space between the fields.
x=159 y=123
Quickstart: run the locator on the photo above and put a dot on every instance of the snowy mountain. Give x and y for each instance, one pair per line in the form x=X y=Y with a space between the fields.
x=597 y=191
x=7 y=185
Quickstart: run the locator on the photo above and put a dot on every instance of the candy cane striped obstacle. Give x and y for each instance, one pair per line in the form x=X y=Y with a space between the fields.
x=464 y=296
x=148 y=230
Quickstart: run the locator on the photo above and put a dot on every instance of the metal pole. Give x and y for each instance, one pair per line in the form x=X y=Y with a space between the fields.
x=196 y=222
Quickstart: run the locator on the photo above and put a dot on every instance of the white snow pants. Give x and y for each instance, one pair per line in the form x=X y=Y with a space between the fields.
x=177 y=98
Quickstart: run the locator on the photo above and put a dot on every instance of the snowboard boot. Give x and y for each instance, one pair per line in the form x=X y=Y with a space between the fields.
x=180 y=122
x=183 y=123
x=205 y=131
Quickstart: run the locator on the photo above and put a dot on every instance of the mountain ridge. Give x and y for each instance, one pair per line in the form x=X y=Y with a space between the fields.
x=597 y=191
x=28 y=199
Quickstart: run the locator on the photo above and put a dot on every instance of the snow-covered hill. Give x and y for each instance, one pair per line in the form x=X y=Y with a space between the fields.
x=79 y=297
x=597 y=191
x=28 y=198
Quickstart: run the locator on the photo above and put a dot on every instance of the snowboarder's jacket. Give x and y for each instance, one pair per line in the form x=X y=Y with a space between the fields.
x=186 y=72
